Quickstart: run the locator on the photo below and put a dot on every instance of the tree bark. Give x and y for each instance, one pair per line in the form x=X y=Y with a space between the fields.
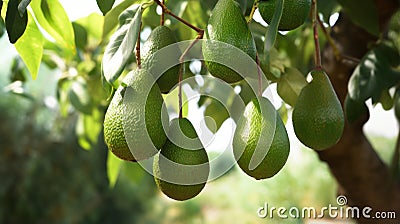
x=361 y=174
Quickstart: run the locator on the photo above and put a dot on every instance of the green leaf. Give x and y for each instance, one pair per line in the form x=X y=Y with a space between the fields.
x=133 y=171
x=386 y=100
x=88 y=128
x=93 y=25
x=111 y=18
x=81 y=35
x=272 y=31
x=15 y=24
x=362 y=13
x=217 y=114
x=283 y=112
x=190 y=11
x=327 y=8
x=150 y=18
x=54 y=20
x=272 y=64
x=247 y=93
x=221 y=101
x=242 y=4
x=30 y=47
x=22 y=7
x=258 y=31
x=63 y=87
x=80 y=98
x=113 y=168
x=2 y=26
x=397 y=104
x=17 y=70
x=105 y=5
x=290 y=85
x=354 y=109
x=376 y=72
x=122 y=44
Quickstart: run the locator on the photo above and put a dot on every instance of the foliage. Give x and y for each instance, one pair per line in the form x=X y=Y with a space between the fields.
x=47 y=177
x=82 y=49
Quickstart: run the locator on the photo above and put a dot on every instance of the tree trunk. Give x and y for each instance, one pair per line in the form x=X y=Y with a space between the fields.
x=361 y=174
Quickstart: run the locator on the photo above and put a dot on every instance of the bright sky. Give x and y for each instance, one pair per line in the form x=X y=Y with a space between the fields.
x=382 y=123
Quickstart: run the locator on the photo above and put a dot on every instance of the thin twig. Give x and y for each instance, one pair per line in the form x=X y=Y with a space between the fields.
x=253 y=10
x=338 y=55
x=181 y=60
x=180 y=78
x=314 y=13
x=138 y=59
x=352 y=60
x=199 y=36
x=167 y=11
x=162 y=20
x=336 y=51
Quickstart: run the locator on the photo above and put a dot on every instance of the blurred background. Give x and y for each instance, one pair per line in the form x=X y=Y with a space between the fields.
x=47 y=177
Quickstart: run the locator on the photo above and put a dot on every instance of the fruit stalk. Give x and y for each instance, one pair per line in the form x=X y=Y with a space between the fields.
x=314 y=14
x=253 y=10
x=167 y=11
x=180 y=78
x=138 y=59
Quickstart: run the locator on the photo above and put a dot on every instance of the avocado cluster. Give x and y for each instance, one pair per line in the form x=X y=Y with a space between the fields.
x=137 y=126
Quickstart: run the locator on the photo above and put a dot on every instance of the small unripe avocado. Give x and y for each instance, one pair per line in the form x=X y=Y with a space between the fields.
x=228 y=25
x=294 y=13
x=132 y=121
x=181 y=168
x=160 y=38
x=260 y=145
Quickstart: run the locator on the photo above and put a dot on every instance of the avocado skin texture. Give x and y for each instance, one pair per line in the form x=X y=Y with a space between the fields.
x=294 y=13
x=318 y=118
x=142 y=120
x=159 y=38
x=251 y=132
x=227 y=24
x=194 y=178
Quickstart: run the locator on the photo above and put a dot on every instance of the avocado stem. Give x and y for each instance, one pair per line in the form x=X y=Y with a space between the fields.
x=253 y=10
x=314 y=13
x=180 y=77
x=138 y=59
x=167 y=11
x=181 y=60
